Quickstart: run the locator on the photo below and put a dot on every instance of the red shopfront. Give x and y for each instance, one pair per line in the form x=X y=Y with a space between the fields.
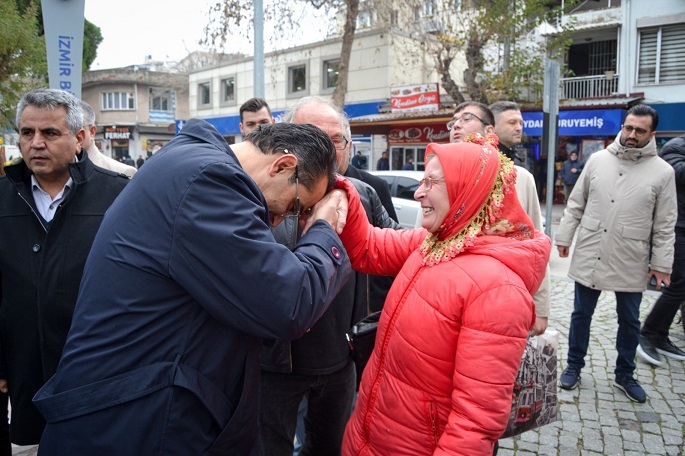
x=405 y=141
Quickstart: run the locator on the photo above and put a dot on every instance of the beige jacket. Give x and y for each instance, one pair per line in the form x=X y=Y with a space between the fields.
x=101 y=160
x=624 y=205
x=528 y=197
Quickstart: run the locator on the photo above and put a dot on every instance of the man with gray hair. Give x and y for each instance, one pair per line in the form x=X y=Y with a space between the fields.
x=97 y=157
x=318 y=365
x=51 y=205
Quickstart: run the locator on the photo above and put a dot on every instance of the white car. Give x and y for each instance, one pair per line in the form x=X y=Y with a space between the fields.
x=403 y=184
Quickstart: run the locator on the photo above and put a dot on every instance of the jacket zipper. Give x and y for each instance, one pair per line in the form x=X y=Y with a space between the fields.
x=33 y=211
x=373 y=393
x=434 y=428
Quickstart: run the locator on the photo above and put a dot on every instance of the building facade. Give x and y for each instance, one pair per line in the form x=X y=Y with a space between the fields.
x=381 y=59
x=135 y=109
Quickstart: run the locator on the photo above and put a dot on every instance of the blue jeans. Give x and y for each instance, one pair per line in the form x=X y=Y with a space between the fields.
x=659 y=320
x=329 y=406
x=627 y=339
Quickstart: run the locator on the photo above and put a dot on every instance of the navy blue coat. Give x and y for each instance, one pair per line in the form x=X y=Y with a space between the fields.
x=183 y=281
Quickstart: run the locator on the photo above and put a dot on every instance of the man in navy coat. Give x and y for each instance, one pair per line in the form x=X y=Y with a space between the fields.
x=183 y=281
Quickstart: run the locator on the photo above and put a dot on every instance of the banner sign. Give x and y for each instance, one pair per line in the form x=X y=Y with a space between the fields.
x=114 y=132
x=594 y=122
x=63 y=22
x=422 y=97
x=436 y=133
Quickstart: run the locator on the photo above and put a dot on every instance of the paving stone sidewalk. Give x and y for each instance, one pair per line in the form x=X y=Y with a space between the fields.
x=597 y=418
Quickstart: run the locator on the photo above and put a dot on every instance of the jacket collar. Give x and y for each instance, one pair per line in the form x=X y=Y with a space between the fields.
x=80 y=171
x=631 y=153
x=206 y=132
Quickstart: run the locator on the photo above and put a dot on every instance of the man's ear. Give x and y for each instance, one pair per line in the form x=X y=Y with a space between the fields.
x=93 y=129
x=80 y=136
x=242 y=132
x=285 y=163
x=489 y=130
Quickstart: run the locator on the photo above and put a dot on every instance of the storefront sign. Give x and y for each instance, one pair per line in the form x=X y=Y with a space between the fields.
x=422 y=97
x=436 y=133
x=595 y=122
x=115 y=132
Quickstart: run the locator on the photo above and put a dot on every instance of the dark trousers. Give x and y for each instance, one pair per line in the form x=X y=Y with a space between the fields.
x=5 y=445
x=661 y=317
x=628 y=310
x=329 y=406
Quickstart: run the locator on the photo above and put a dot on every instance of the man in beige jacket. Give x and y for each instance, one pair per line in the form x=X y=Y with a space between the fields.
x=97 y=157
x=624 y=207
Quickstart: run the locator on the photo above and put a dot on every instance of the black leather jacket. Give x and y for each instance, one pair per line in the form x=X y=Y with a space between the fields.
x=324 y=350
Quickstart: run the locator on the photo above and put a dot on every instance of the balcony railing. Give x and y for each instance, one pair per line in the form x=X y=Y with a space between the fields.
x=590 y=86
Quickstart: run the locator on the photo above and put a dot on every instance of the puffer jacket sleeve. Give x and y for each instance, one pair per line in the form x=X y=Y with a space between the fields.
x=663 y=227
x=372 y=250
x=492 y=338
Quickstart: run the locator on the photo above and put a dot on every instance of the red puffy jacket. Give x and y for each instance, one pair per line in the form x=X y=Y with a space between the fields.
x=449 y=343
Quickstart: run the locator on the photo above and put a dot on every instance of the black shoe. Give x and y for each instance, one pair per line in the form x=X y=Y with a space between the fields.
x=647 y=351
x=570 y=378
x=667 y=348
x=632 y=388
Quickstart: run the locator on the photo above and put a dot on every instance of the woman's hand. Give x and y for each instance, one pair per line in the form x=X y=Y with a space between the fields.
x=332 y=208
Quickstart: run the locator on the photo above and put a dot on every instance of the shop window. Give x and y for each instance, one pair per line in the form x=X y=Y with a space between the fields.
x=660 y=55
x=204 y=94
x=297 y=80
x=228 y=91
x=330 y=74
x=118 y=101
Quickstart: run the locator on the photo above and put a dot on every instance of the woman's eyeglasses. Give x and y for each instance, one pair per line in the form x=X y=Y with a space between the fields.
x=428 y=182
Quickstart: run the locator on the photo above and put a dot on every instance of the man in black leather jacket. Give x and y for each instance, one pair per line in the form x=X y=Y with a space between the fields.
x=318 y=365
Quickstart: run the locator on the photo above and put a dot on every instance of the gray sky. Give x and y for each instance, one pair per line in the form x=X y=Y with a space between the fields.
x=132 y=29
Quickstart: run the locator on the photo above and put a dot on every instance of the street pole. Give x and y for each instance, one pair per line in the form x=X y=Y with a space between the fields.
x=550 y=113
x=258 y=49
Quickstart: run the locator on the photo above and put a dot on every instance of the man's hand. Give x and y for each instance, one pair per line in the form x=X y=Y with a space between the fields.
x=563 y=251
x=332 y=208
x=539 y=326
x=661 y=277
x=3 y=385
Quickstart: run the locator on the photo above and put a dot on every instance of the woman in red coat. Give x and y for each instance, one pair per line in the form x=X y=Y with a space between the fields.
x=455 y=322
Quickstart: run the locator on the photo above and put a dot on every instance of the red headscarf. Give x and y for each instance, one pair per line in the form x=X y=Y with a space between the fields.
x=484 y=207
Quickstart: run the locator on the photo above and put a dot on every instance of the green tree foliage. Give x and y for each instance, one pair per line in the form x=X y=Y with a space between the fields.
x=497 y=40
x=92 y=37
x=22 y=53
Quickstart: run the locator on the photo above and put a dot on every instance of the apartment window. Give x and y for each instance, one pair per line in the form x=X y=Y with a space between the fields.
x=204 y=94
x=417 y=13
x=429 y=8
x=297 y=80
x=661 y=55
x=331 y=69
x=394 y=17
x=228 y=91
x=592 y=59
x=118 y=101
x=365 y=18
x=161 y=99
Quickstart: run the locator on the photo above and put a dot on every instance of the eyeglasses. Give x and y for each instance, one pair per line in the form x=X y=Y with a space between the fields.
x=638 y=131
x=297 y=210
x=465 y=118
x=428 y=182
x=340 y=142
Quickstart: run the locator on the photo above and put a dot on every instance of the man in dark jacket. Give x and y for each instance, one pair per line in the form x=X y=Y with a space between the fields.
x=183 y=282
x=51 y=206
x=318 y=365
x=654 y=340
x=570 y=172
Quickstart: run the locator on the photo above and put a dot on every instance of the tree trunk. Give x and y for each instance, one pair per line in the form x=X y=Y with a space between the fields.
x=443 y=63
x=347 y=41
x=474 y=62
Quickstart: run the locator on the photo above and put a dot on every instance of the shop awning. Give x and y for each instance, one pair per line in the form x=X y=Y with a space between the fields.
x=381 y=124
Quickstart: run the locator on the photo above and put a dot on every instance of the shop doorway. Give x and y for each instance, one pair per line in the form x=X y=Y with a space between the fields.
x=400 y=154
